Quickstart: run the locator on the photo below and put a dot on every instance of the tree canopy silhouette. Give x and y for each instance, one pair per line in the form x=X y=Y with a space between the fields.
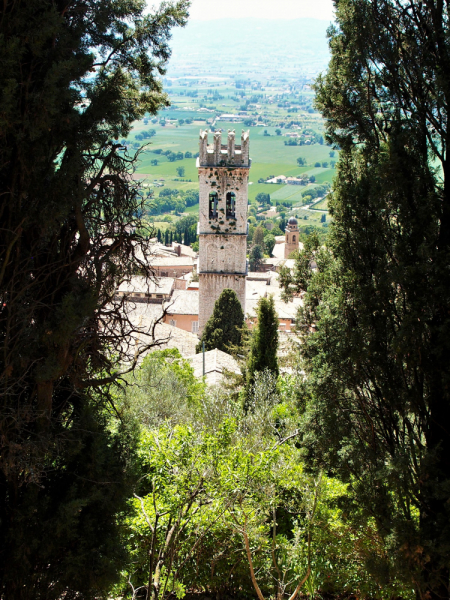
x=74 y=75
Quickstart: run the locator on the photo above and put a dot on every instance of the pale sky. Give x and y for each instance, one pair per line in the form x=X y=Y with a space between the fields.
x=205 y=10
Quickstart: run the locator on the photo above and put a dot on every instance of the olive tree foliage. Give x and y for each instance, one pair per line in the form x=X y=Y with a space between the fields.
x=223 y=505
x=377 y=317
x=74 y=75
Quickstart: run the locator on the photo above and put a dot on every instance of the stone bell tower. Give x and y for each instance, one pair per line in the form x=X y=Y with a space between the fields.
x=223 y=177
x=291 y=237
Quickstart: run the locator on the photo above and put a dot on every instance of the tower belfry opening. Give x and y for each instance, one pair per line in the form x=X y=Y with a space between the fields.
x=231 y=203
x=213 y=201
x=223 y=177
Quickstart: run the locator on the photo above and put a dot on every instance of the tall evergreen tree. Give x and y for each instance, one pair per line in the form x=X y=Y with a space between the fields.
x=264 y=343
x=258 y=237
x=256 y=256
x=73 y=78
x=224 y=328
x=377 y=317
x=159 y=236
x=166 y=237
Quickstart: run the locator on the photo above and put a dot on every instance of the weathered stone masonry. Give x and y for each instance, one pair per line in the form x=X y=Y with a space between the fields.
x=223 y=177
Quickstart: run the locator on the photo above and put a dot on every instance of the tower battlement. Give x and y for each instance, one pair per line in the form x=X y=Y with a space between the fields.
x=220 y=155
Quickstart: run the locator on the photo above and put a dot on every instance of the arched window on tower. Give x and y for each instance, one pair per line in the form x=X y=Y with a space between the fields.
x=231 y=205
x=293 y=238
x=213 y=199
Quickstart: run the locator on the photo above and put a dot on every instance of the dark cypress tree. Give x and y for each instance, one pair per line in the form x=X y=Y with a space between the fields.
x=264 y=342
x=159 y=236
x=71 y=81
x=166 y=237
x=223 y=329
x=377 y=315
x=170 y=238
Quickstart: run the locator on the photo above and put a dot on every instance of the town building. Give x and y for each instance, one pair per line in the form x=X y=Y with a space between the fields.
x=292 y=237
x=142 y=289
x=223 y=172
x=183 y=310
x=213 y=365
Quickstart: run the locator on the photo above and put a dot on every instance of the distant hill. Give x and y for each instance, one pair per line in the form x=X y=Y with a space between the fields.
x=250 y=47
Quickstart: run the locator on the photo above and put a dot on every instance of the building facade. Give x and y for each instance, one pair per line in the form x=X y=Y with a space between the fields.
x=291 y=237
x=223 y=172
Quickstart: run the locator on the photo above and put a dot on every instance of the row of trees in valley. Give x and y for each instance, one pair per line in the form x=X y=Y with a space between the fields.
x=323 y=469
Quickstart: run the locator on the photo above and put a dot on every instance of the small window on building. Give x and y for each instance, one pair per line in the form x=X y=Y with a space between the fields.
x=173 y=322
x=194 y=326
x=213 y=199
x=293 y=238
x=231 y=205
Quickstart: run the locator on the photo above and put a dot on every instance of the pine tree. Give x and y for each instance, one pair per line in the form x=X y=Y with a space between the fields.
x=263 y=344
x=72 y=76
x=223 y=329
x=377 y=314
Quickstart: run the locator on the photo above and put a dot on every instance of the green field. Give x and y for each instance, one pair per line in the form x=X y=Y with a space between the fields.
x=270 y=156
x=321 y=205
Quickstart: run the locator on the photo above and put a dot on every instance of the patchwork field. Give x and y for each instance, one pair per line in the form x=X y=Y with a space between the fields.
x=271 y=155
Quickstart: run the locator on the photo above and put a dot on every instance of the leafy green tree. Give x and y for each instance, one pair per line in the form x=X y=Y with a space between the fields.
x=263 y=344
x=256 y=256
x=262 y=198
x=301 y=161
x=223 y=330
x=269 y=243
x=258 y=236
x=181 y=171
x=74 y=76
x=377 y=361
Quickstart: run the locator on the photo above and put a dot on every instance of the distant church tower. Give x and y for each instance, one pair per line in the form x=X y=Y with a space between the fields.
x=291 y=240
x=223 y=178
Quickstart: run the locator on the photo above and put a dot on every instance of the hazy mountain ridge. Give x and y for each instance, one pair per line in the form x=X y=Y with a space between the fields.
x=258 y=47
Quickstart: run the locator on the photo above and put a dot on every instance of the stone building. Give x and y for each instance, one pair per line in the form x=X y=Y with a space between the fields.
x=291 y=237
x=223 y=177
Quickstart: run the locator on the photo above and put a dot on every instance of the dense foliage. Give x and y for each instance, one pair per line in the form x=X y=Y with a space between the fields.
x=263 y=347
x=73 y=77
x=213 y=479
x=376 y=321
x=223 y=329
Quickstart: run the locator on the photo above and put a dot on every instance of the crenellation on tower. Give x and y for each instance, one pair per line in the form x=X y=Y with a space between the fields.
x=223 y=181
x=218 y=154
